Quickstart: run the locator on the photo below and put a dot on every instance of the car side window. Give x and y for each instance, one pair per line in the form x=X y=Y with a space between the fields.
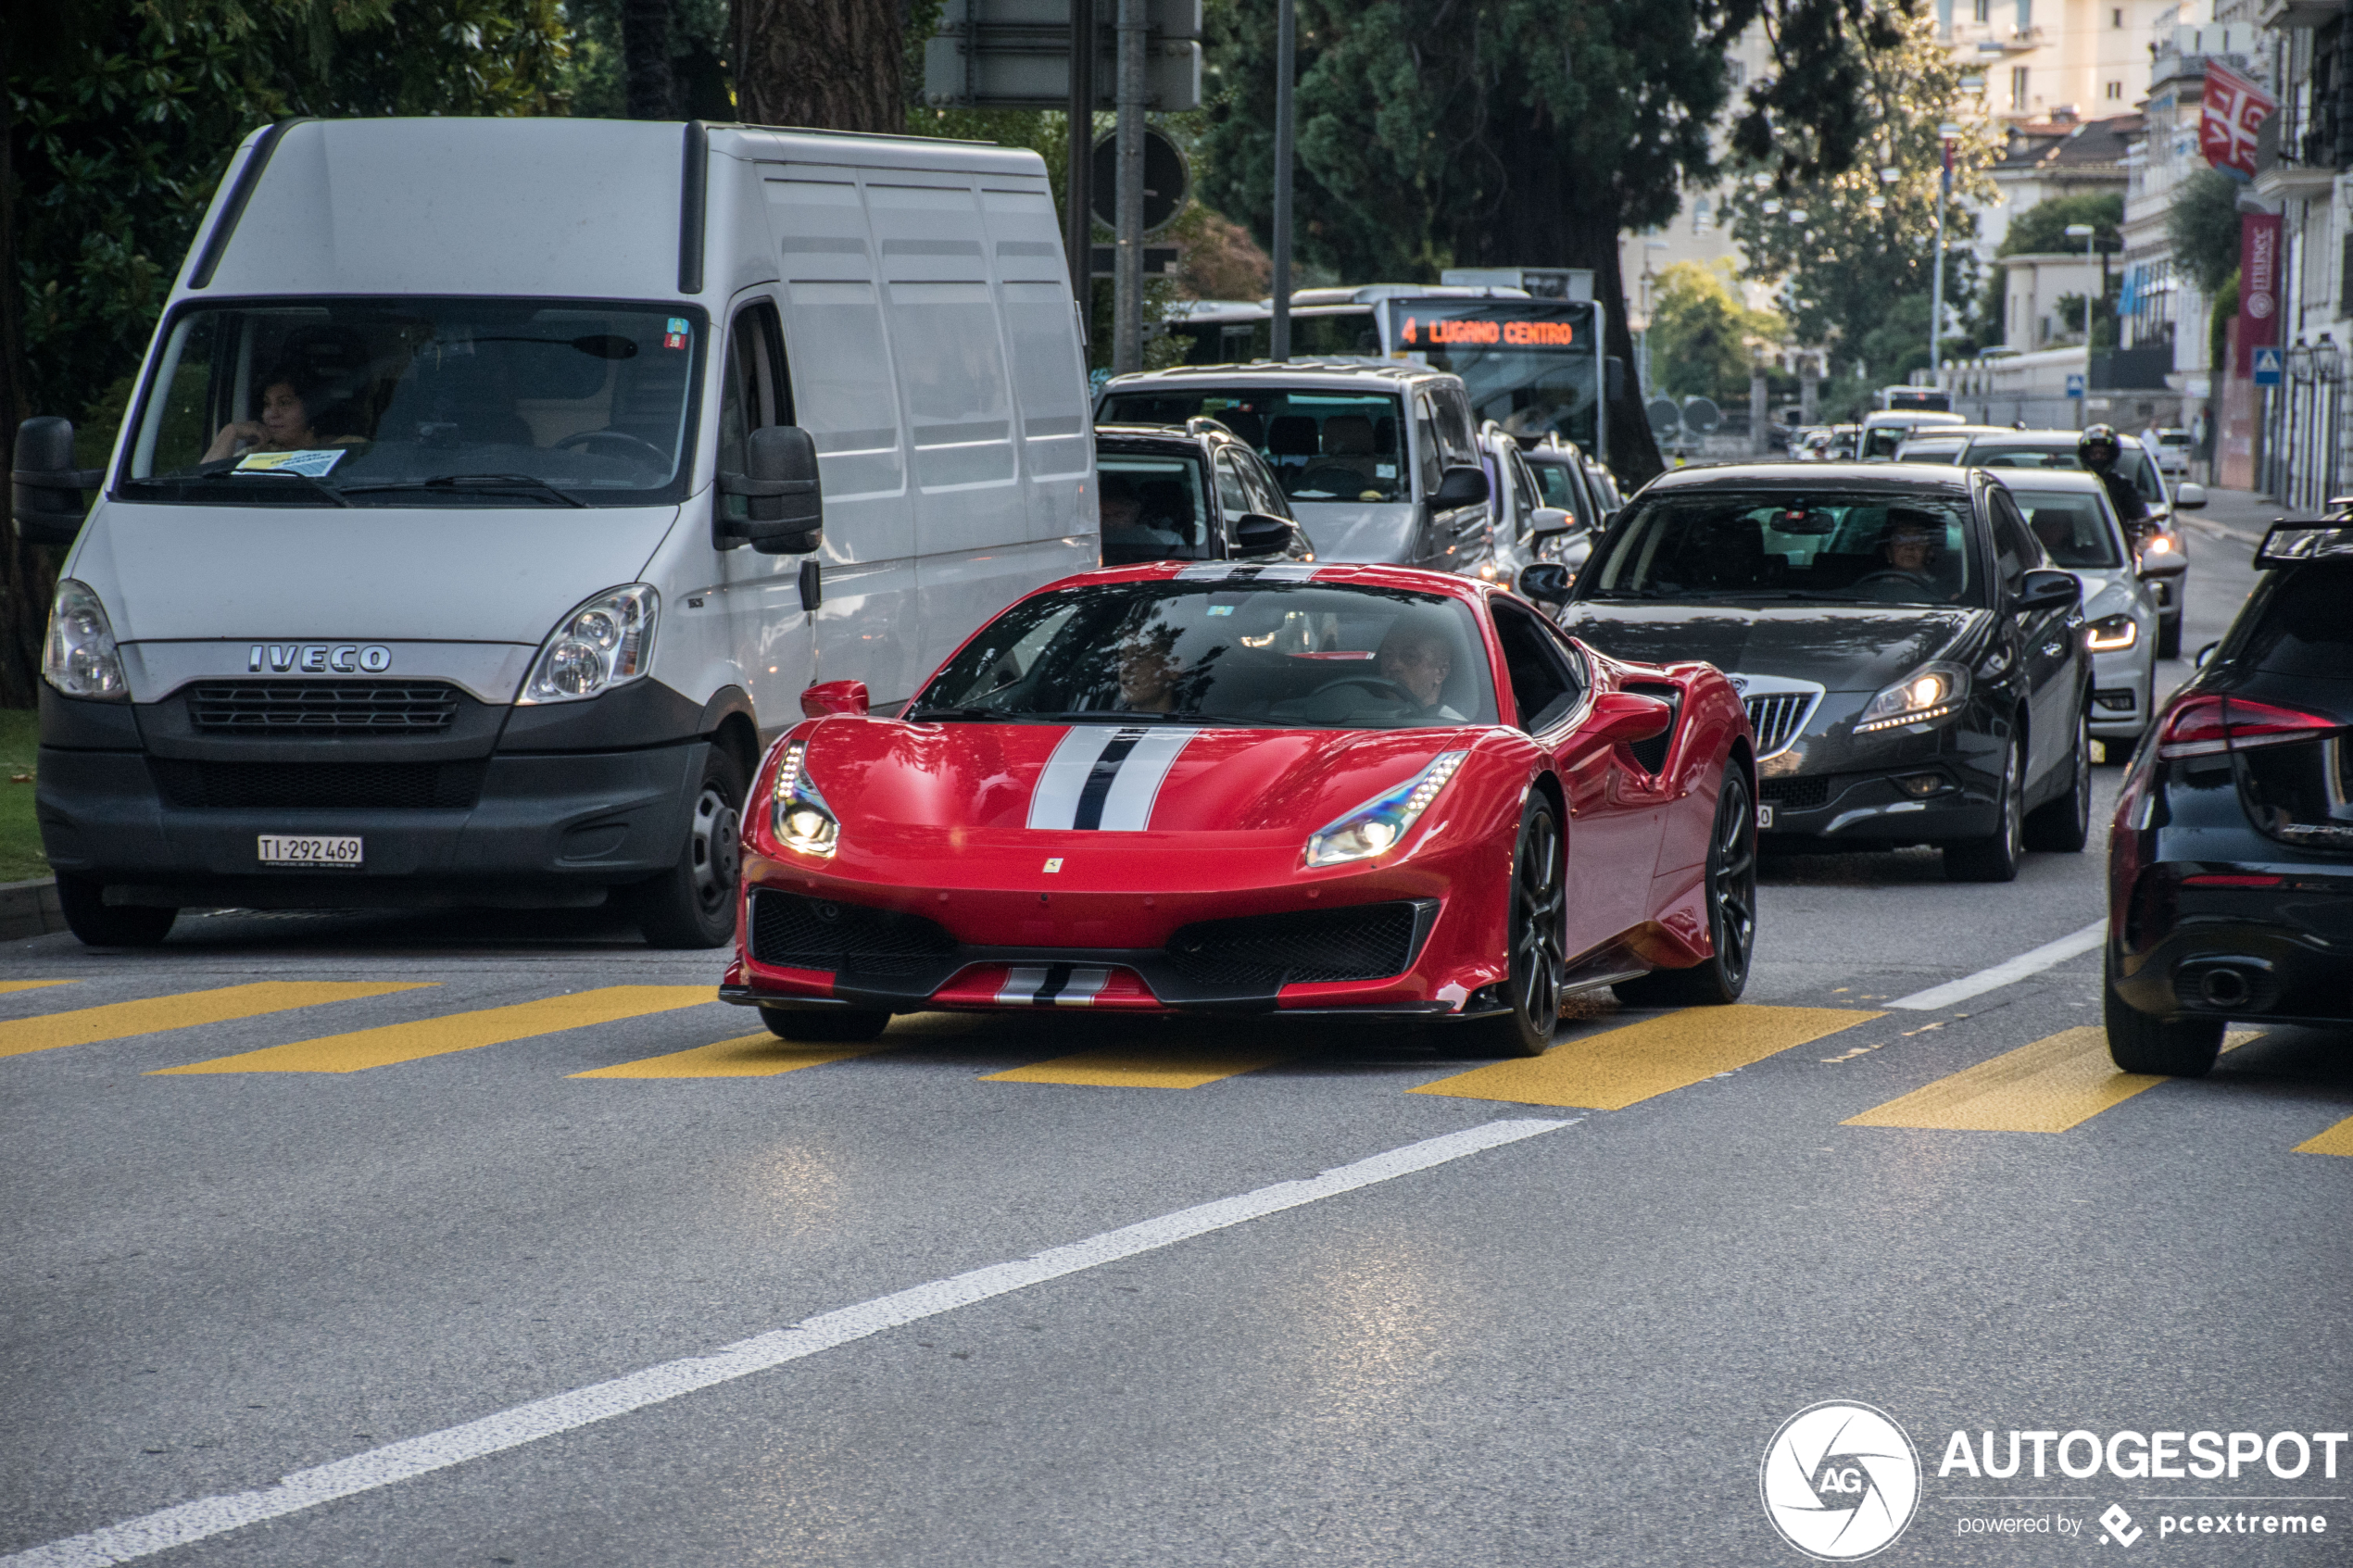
x=1266 y=496
x=1233 y=497
x=1579 y=675
x=2014 y=547
x=1543 y=687
x=1523 y=496
x=1454 y=435
x=753 y=390
x=1426 y=454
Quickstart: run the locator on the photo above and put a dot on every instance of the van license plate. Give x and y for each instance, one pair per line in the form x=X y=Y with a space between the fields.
x=1764 y=819
x=308 y=849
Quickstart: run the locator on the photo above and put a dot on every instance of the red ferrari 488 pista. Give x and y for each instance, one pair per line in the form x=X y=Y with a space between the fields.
x=1245 y=789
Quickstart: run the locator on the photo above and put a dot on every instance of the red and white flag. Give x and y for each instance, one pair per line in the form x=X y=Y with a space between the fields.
x=2234 y=111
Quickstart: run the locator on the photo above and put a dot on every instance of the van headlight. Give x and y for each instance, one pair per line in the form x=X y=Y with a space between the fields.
x=605 y=642
x=1931 y=692
x=79 y=656
x=799 y=817
x=1383 y=822
x=2111 y=633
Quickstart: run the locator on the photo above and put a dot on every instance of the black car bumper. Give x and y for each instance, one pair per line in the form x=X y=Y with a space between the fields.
x=2254 y=955
x=1923 y=789
x=514 y=829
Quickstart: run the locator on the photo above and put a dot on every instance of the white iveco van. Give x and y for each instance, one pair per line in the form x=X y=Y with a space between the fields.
x=494 y=489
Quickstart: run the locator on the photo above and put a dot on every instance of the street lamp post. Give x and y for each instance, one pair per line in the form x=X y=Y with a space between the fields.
x=1285 y=56
x=1944 y=135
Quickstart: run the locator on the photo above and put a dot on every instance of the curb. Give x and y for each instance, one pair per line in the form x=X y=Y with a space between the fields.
x=30 y=909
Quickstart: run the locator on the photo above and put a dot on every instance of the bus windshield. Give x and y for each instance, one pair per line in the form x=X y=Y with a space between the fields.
x=1530 y=365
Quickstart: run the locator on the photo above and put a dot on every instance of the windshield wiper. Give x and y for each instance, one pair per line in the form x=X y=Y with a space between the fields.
x=329 y=491
x=494 y=484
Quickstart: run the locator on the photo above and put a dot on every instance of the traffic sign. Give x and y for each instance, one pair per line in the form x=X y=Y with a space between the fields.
x=2075 y=386
x=1166 y=180
x=1666 y=417
x=2267 y=367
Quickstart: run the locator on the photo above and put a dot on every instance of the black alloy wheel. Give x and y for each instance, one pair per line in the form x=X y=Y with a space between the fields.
x=1995 y=858
x=2175 y=1047
x=1718 y=980
x=693 y=904
x=826 y=1026
x=2064 y=825
x=1533 y=933
x=101 y=924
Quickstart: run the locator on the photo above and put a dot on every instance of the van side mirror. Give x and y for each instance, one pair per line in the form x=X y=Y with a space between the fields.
x=2188 y=498
x=1256 y=534
x=2044 y=590
x=45 y=488
x=784 y=505
x=1551 y=523
x=827 y=697
x=1463 y=485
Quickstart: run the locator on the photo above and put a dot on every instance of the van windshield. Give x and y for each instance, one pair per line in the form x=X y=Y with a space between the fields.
x=415 y=402
x=1323 y=445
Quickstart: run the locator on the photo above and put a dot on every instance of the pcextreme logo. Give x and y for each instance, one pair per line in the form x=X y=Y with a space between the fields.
x=1840 y=1480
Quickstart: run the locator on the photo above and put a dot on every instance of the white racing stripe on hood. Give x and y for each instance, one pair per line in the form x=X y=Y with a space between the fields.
x=1106 y=777
x=1245 y=571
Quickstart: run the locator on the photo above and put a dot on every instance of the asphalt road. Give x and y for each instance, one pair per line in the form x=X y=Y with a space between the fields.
x=1567 y=1335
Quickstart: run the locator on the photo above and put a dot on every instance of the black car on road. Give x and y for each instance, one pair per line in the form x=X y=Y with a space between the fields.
x=1189 y=491
x=2231 y=859
x=1914 y=668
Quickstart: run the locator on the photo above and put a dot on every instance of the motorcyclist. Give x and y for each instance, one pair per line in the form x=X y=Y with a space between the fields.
x=2097 y=449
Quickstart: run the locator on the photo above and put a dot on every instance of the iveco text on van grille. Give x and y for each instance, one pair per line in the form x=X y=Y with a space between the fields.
x=319 y=658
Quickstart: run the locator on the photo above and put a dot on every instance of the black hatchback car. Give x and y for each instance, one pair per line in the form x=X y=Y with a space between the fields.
x=1914 y=669
x=1189 y=491
x=2231 y=860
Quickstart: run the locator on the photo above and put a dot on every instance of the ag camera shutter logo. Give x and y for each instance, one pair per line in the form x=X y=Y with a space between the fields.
x=1840 y=1481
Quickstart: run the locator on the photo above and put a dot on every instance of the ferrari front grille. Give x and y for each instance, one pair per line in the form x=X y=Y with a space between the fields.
x=1777 y=718
x=791 y=932
x=1262 y=952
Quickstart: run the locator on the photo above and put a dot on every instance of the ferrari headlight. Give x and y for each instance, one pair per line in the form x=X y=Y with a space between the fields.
x=79 y=656
x=1380 y=823
x=1931 y=692
x=603 y=643
x=2113 y=634
x=800 y=816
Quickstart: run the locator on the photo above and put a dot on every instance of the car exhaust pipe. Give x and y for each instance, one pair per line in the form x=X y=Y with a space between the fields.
x=2224 y=988
x=2234 y=985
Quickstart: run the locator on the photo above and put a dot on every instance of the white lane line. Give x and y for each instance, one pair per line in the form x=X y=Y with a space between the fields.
x=2031 y=962
x=205 y=1517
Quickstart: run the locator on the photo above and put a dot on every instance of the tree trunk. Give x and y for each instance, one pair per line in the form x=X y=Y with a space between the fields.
x=28 y=572
x=647 y=89
x=1542 y=215
x=830 y=64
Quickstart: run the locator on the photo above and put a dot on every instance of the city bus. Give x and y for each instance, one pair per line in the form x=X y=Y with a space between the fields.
x=1534 y=365
x=1932 y=399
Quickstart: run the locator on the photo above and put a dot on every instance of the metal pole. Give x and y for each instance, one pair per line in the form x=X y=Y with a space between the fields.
x=1078 y=220
x=1127 y=268
x=1286 y=60
x=1936 y=284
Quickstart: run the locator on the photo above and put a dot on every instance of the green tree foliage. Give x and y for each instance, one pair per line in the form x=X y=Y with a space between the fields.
x=1846 y=261
x=1703 y=336
x=2203 y=224
x=2041 y=230
x=700 y=79
x=1468 y=132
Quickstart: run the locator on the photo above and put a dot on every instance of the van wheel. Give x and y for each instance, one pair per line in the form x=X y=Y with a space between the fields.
x=693 y=904
x=101 y=924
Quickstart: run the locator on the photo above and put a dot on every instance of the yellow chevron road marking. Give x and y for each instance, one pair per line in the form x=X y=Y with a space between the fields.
x=2049 y=1087
x=1175 y=1068
x=119 y=1021
x=1623 y=1067
x=397 y=1043
x=9 y=987
x=2336 y=1140
x=751 y=1056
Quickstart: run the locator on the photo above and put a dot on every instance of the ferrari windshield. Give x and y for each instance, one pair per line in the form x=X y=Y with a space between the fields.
x=419 y=402
x=1836 y=547
x=1284 y=655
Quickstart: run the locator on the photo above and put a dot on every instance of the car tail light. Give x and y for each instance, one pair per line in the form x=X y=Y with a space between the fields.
x=2206 y=725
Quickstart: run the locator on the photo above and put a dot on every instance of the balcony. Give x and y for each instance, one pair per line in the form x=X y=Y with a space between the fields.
x=2284 y=14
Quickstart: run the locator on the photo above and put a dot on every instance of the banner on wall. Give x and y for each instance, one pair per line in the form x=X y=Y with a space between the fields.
x=2258 y=319
x=2234 y=111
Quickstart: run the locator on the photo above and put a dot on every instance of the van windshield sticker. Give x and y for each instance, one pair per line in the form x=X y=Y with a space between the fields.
x=677 y=336
x=313 y=463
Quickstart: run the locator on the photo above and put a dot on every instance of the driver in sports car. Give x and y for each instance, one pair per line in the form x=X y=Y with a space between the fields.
x=1419 y=657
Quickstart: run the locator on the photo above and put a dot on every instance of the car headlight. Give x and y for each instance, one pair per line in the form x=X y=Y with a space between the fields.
x=1383 y=822
x=1930 y=692
x=2113 y=634
x=800 y=816
x=605 y=642
x=79 y=656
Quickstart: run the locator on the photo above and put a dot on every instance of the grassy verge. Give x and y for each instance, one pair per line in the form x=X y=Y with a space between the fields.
x=20 y=835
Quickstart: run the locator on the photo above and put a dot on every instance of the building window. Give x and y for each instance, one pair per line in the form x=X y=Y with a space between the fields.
x=2017 y=87
x=1981 y=11
x=2116 y=89
x=2115 y=16
x=2145 y=302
